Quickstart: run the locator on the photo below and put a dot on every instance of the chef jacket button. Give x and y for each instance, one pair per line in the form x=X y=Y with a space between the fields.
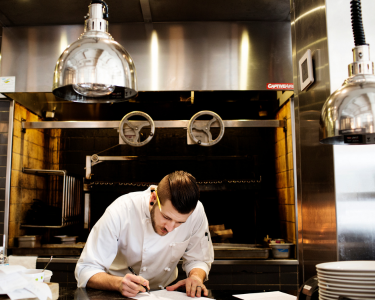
x=166 y=269
x=169 y=269
x=144 y=269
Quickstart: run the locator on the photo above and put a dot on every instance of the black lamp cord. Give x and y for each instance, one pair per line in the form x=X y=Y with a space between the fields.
x=357 y=24
x=105 y=14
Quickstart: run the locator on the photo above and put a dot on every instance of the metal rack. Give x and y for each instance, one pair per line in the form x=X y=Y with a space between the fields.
x=65 y=193
x=207 y=185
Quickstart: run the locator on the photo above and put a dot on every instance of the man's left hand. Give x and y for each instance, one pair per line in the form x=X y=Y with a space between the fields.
x=194 y=286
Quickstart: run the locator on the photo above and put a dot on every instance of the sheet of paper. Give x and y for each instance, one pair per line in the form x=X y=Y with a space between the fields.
x=11 y=282
x=20 y=294
x=40 y=289
x=8 y=84
x=266 y=296
x=165 y=295
x=11 y=269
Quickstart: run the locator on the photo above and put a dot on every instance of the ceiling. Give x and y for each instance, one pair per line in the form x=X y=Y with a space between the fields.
x=65 y=12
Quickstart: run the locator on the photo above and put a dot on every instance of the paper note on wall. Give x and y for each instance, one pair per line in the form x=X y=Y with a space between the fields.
x=7 y=85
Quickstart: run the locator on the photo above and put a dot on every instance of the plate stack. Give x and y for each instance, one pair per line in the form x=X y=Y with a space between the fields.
x=352 y=279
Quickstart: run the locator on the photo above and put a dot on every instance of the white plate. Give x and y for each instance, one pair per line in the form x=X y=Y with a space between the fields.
x=321 y=297
x=337 y=289
x=325 y=297
x=346 y=282
x=331 y=273
x=370 y=286
x=352 y=265
x=348 y=294
x=347 y=278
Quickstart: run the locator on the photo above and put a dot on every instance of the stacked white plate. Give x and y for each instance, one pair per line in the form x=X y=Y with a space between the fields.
x=352 y=279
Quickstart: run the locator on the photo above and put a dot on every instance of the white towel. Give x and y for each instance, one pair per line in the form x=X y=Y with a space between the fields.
x=28 y=262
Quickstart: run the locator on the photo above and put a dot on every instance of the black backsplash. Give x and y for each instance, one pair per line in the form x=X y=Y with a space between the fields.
x=251 y=212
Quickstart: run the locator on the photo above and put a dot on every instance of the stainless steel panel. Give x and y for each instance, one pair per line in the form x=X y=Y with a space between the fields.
x=314 y=162
x=354 y=165
x=8 y=175
x=355 y=202
x=173 y=56
x=158 y=124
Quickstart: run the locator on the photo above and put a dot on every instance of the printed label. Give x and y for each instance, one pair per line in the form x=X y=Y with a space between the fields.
x=283 y=250
x=280 y=86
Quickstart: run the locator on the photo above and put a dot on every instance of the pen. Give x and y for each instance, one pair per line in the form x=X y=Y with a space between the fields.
x=131 y=270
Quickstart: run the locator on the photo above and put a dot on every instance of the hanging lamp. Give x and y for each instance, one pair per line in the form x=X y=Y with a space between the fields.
x=95 y=68
x=348 y=115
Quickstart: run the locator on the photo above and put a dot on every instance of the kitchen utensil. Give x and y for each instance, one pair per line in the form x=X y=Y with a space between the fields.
x=48 y=263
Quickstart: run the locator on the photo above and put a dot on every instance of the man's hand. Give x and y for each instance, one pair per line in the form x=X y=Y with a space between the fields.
x=194 y=284
x=131 y=285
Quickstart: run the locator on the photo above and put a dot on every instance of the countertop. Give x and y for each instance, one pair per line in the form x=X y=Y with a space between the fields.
x=91 y=294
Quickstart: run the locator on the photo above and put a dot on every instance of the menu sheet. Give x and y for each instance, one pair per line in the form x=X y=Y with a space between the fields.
x=165 y=295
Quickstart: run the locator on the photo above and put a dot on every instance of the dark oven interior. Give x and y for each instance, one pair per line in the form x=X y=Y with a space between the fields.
x=236 y=176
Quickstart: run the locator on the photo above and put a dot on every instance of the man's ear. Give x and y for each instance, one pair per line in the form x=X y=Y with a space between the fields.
x=152 y=198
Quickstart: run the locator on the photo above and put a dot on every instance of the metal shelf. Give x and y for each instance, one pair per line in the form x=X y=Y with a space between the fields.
x=65 y=193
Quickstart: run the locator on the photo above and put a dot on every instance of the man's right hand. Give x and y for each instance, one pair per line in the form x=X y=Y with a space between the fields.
x=131 y=285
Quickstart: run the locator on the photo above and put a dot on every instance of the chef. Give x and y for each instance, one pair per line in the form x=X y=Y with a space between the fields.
x=150 y=232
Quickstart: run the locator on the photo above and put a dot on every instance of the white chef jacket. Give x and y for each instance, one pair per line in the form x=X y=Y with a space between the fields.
x=124 y=237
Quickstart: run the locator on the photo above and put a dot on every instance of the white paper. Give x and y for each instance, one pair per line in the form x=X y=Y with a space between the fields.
x=7 y=84
x=40 y=289
x=29 y=262
x=11 y=282
x=165 y=295
x=266 y=296
x=20 y=294
x=11 y=269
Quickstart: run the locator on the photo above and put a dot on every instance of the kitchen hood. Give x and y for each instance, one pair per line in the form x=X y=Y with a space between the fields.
x=95 y=68
x=348 y=115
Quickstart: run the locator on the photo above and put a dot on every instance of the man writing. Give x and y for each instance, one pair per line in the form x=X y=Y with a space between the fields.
x=150 y=231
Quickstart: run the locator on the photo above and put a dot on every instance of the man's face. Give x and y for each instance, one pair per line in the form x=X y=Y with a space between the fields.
x=167 y=219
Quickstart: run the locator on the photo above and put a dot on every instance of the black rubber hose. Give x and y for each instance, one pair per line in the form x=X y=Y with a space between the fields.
x=357 y=24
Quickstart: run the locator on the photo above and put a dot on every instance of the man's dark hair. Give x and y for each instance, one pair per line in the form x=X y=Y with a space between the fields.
x=181 y=189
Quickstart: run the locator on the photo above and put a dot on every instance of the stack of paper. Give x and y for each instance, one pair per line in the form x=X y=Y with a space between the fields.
x=17 y=286
x=165 y=295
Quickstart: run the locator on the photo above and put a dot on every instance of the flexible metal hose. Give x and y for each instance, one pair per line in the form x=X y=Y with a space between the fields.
x=357 y=24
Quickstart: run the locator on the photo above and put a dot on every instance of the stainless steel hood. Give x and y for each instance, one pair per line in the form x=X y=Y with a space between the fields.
x=167 y=56
x=192 y=46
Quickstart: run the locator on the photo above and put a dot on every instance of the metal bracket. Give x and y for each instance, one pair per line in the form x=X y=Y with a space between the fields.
x=23 y=130
x=285 y=125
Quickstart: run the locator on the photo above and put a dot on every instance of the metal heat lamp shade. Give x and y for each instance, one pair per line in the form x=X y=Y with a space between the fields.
x=348 y=115
x=95 y=68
